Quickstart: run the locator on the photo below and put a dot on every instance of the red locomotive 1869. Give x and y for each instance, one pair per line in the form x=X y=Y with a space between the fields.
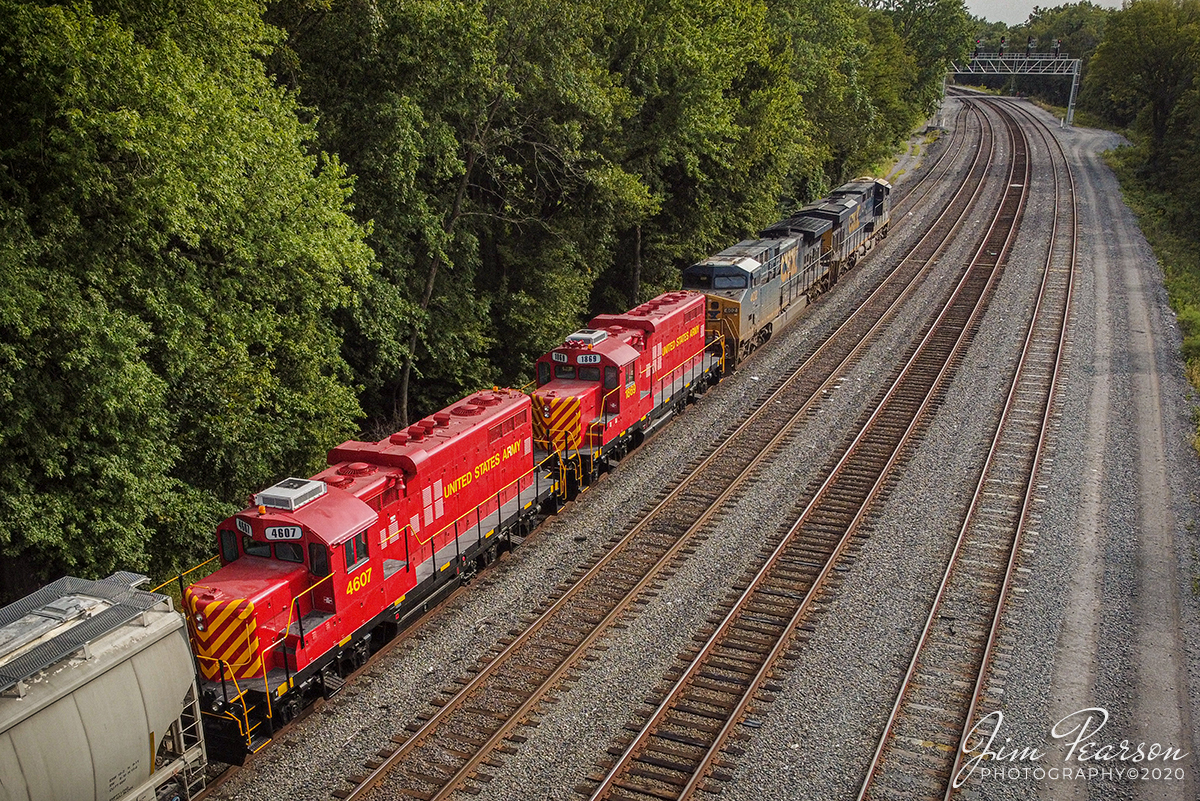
x=608 y=385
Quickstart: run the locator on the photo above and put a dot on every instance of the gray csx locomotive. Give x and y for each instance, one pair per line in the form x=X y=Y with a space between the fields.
x=757 y=286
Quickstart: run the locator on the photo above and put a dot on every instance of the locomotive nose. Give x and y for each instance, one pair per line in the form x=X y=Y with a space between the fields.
x=559 y=415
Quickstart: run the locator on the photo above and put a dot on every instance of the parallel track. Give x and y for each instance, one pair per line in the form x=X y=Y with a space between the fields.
x=678 y=749
x=920 y=750
x=451 y=748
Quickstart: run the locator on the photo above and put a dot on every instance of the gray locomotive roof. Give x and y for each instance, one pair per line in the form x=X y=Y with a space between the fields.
x=854 y=188
x=65 y=617
x=809 y=226
x=732 y=261
x=761 y=250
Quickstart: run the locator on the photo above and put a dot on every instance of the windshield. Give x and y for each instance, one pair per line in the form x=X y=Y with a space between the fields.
x=729 y=282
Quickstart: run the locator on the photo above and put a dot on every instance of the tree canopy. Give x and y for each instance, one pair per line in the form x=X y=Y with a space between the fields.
x=235 y=234
x=171 y=255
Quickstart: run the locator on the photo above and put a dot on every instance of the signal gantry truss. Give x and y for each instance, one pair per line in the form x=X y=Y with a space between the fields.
x=1024 y=64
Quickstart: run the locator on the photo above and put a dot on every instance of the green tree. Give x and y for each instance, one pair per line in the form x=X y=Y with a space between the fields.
x=1078 y=26
x=172 y=258
x=471 y=130
x=713 y=129
x=1145 y=65
x=936 y=32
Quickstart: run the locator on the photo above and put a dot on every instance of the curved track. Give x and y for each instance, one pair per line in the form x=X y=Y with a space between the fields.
x=920 y=753
x=678 y=750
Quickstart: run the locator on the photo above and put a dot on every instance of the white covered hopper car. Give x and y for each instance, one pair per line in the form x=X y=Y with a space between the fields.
x=97 y=696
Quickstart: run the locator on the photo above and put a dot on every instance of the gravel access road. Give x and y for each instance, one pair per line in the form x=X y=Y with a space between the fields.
x=1106 y=615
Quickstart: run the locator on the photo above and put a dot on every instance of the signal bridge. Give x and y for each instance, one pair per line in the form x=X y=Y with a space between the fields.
x=1019 y=63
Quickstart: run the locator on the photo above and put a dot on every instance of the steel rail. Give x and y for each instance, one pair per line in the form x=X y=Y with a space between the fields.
x=973 y=510
x=750 y=688
x=1037 y=457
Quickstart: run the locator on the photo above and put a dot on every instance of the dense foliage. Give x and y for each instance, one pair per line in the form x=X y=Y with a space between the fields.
x=1145 y=77
x=193 y=304
x=524 y=163
x=170 y=260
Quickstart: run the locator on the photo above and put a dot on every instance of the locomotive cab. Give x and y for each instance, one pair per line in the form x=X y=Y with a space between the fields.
x=264 y=613
x=731 y=300
x=608 y=384
x=584 y=388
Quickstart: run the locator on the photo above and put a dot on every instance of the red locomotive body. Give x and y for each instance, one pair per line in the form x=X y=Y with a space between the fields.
x=607 y=385
x=316 y=566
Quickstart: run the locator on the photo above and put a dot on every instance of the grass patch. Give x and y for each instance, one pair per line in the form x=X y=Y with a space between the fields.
x=1177 y=248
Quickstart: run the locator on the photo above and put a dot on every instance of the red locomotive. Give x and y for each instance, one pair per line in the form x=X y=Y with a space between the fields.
x=316 y=572
x=608 y=385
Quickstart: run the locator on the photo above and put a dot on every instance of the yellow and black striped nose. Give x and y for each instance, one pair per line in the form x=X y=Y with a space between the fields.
x=556 y=423
x=225 y=632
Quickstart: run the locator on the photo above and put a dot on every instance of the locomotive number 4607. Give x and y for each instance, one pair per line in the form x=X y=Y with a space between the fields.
x=359 y=581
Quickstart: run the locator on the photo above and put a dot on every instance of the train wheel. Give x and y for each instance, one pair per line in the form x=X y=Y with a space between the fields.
x=289 y=709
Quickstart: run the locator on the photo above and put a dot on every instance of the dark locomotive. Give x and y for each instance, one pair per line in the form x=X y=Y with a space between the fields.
x=760 y=285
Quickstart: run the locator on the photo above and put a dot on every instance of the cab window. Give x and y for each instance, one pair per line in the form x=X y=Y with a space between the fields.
x=589 y=373
x=612 y=377
x=697 y=280
x=564 y=371
x=252 y=547
x=729 y=282
x=543 y=373
x=629 y=374
x=318 y=559
x=356 y=550
x=228 y=543
x=289 y=552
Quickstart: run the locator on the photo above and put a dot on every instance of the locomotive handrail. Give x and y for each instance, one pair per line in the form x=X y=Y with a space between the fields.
x=294 y=604
x=179 y=577
x=244 y=730
x=408 y=529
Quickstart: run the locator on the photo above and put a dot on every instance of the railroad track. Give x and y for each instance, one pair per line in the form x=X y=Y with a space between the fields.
x=916 y=194
x=920 y=752
x=453 y=746
x=678 y=749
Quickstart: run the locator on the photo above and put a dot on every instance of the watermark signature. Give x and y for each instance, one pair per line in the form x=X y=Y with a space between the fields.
x=990 y=754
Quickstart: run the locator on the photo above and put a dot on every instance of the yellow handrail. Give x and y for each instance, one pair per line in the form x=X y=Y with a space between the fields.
x=181 y=575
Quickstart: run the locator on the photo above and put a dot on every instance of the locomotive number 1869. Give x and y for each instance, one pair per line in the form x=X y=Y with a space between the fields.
x=359 y=581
